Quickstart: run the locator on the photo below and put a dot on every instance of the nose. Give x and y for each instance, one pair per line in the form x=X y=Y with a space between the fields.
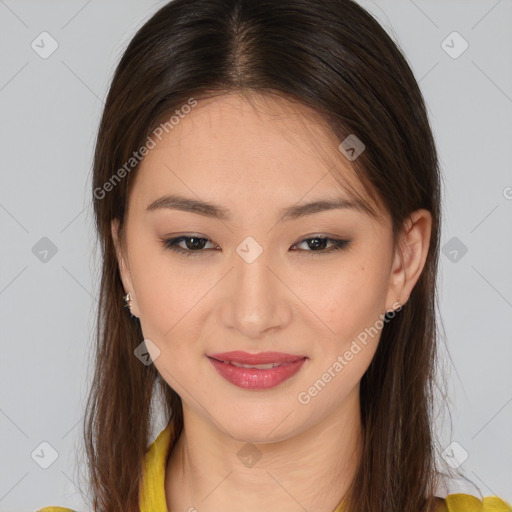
x=256 y=302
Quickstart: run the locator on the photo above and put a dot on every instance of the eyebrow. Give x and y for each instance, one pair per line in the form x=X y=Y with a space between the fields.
x=207 y=209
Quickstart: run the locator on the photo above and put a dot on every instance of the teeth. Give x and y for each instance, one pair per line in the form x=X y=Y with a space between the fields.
x=267 y=366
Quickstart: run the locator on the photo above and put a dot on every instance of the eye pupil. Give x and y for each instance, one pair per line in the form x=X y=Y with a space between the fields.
x=195 y=242
x=317 y=243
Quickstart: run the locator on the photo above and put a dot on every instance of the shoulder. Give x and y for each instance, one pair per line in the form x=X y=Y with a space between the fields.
x=468 y=503
x=55 y=509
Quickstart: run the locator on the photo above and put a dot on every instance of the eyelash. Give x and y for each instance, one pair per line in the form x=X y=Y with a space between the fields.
x=338 y=244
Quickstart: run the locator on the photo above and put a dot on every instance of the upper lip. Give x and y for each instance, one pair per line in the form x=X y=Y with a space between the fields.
x=261 y=358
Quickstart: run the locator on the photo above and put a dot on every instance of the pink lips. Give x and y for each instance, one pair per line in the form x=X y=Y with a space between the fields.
x=256 y=378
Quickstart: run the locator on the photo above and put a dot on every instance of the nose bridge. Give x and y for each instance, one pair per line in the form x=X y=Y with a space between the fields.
x=257 y=302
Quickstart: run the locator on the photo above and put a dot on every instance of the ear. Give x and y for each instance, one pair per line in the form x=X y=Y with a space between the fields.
x=124 y=267
x=410 y=257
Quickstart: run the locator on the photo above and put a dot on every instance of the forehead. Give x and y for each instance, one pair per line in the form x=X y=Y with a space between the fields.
x=247 y=148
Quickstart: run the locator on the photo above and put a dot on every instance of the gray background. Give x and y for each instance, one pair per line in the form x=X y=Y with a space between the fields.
x=50 y=109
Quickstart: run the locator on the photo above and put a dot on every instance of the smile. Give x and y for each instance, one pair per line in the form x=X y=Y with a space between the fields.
x=256 y=371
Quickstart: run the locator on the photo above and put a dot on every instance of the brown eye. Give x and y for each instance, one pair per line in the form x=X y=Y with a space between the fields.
x=317 y=244
x=191 y=245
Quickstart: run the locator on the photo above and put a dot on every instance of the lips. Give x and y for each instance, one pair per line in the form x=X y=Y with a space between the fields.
x=256 y=371
x=245 y=358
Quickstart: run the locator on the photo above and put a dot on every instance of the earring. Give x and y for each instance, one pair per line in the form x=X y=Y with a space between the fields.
x=392 y=310
x=128 y=304
x=127 y=299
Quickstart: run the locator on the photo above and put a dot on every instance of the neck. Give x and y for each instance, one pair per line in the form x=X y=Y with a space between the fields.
x=311 y=470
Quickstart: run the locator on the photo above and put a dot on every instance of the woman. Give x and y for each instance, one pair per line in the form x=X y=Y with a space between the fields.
x=267 y=196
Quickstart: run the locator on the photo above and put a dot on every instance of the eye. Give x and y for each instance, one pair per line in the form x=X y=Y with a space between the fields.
x=318 y=244
x=193 y=245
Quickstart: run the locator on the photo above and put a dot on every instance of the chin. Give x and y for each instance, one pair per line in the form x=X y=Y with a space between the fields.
x=262 y=426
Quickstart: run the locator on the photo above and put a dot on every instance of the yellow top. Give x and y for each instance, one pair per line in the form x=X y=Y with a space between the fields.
x=152 y=498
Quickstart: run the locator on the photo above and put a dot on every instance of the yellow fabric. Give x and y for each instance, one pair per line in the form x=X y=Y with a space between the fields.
x=152 y=496
x=55 y=509
x=467 y=503
x=153 y=499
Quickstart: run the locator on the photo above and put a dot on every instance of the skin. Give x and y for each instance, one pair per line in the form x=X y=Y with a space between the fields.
x=254 y=158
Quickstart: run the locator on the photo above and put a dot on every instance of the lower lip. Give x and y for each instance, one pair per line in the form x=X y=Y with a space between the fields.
x=253 y=378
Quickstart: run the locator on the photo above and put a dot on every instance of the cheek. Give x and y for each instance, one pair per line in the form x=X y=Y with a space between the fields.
x=351 y=304
x=169 y=299
x=167 y=292
x=351 y=298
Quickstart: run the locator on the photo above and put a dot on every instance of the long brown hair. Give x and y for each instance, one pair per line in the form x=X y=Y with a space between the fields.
x=332 y=56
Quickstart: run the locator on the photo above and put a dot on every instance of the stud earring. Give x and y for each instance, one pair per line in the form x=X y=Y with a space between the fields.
x=128 y=304
x=392 y=310
x=127 y=299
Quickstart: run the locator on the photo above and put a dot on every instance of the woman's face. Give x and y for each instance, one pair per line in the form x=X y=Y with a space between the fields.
x=253 y=279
